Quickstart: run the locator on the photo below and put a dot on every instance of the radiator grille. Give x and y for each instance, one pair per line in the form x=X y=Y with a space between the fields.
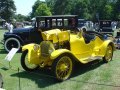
x=46 y=48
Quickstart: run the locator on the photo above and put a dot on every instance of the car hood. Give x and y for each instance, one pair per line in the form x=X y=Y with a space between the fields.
x=19 y=30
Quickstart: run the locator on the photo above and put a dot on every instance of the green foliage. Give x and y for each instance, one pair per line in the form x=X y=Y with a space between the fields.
x=42 y=10
x=21 y=18
x=34 y=7
x=62 y=7
x=81 y=9
x=87 y=9
x=108 y=10
x=7 y=9
x=117 y=10
x=50 y=4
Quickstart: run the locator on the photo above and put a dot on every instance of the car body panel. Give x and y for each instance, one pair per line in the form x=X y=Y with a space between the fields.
x=33 y=56
x=79 y=50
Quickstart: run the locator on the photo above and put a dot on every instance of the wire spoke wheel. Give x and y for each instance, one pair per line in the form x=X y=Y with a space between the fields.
x=109 y=54
x=63 y=67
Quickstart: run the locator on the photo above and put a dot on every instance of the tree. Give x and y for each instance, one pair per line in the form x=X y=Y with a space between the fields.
x=117 y=10
x=108 y=12
x=88 y=9
x=81 y=9
x=50 y=4
x=19 y=17
x=34 y=7
x=7 y=9
x=42 y=10
x=62 y=7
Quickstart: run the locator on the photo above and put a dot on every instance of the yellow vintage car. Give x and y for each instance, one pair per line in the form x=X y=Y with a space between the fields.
x=60 y=49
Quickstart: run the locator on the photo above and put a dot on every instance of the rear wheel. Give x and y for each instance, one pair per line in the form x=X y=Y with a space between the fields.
x=25 y=63
x=12 y=43
x=109 y=54
x=62 y=67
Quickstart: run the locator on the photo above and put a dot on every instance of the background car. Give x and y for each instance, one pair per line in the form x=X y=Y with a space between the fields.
x=22 y=36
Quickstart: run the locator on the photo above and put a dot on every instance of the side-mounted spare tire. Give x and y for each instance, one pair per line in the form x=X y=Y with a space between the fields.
x=12 y=43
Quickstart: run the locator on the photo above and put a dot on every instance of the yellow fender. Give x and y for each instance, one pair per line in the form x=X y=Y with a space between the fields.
x=104 y=45
x=58 y=52
x=28 y=47
x=33 y=55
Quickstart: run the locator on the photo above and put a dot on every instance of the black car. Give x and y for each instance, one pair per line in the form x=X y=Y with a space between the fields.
x=105 y=27
x=22 y=36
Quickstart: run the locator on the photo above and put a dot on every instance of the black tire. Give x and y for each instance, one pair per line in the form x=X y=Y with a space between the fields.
x=69 y=67
x=12 y=43
x=109 y=54
x=24 y=62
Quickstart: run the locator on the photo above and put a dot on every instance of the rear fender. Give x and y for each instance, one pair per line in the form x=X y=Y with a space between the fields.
x=33 y=55
x=104 y=47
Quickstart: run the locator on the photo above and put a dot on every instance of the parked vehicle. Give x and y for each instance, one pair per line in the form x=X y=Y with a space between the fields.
x=105 y=27
x=59 y=50
x=88 y=25
x=22 y=36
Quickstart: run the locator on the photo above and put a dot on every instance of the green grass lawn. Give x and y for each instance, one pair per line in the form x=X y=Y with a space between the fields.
x=95 y=76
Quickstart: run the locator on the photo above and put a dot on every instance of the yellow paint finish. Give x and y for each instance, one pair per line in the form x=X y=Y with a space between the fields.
x=51 y=35
x=103 y=47
x=33 y=56
x=79 y=47
x=58 y=52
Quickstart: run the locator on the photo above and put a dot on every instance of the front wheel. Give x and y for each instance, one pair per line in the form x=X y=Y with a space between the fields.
x=12 y=43
x=25 y=64
x=109 y=54
x=62 y=67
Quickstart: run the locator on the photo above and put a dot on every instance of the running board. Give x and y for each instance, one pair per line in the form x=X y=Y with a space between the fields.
x=89 y=59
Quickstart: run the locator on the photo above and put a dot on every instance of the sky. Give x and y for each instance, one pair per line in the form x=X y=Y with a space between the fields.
x=24 y=7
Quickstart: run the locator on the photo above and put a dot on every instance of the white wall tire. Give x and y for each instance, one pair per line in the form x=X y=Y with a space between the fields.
x=12 y=43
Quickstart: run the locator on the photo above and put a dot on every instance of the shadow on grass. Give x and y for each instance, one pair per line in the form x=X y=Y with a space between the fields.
x=44 y=77
x=2 y=51
x=41 y=77
x=83 y=68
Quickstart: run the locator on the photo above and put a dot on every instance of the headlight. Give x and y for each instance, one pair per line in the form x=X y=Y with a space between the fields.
x=36 y=47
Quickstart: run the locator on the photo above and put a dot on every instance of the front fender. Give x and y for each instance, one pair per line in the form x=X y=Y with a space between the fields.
x=33 y=55
x=58 y=52
x=28 y=47
x=6 y=36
